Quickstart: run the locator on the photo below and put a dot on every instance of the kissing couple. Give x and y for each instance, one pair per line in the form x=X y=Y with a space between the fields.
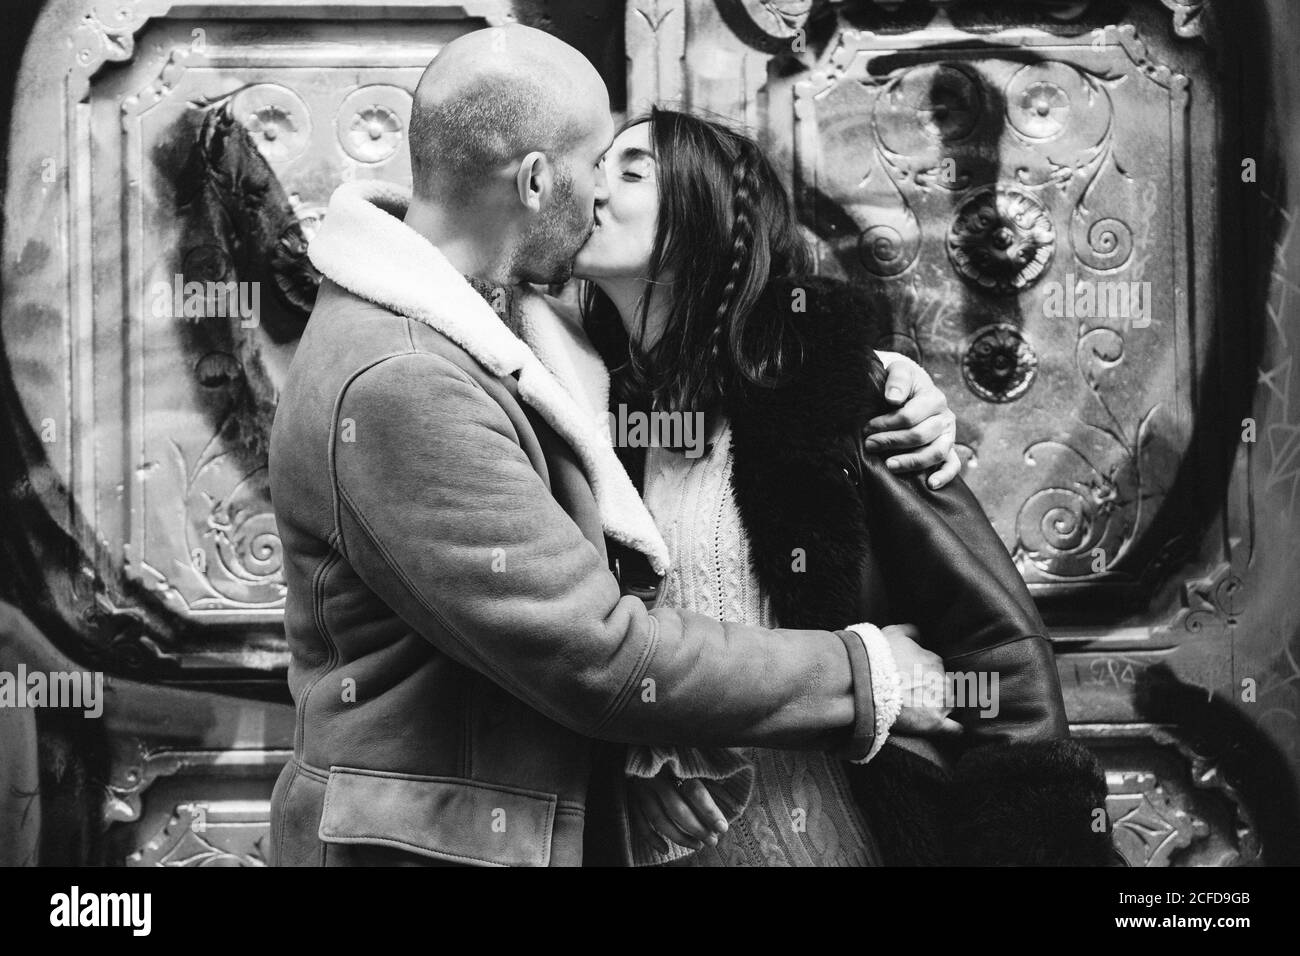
x=517 y=641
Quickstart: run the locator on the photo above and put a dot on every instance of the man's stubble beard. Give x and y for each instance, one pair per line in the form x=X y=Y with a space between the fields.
x=546 y=252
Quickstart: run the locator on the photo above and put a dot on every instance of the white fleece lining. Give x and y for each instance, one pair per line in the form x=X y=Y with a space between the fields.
x=886 y=684
x=364 y=246
x=556 y=338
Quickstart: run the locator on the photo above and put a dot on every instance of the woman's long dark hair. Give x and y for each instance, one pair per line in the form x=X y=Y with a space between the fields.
x=726 y=228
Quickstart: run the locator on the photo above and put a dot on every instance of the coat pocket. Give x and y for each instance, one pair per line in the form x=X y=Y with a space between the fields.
x=448 y=818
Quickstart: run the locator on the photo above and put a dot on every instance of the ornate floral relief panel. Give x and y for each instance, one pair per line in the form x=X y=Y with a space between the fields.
x=129 y=204
x=1018 y=218
x=151 y=422
x=1021 y=187
x=201 y=533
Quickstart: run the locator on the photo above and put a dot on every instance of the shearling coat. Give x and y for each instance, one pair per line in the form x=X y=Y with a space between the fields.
x=457 y=640
x=888 y=549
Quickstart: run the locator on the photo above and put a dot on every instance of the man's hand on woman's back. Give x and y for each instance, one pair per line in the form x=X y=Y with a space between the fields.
x=916 y=670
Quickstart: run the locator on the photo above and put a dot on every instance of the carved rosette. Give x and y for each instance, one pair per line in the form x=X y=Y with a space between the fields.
x=1001 y=239
x=999 y=365
x=1041 y=111
x=946 y=101
x=277 y=119
x=924 y=107
x=371 y=122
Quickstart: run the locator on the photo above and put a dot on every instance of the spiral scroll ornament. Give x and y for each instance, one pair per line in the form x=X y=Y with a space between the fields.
x=1065 y=529
x=1059 y=521
x=1104 y=244
x=248 y=545
x=242 y=558
x=887 y=251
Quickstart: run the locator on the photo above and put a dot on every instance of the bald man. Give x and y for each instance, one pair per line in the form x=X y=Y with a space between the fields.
x=507 y=133
x=450 y=514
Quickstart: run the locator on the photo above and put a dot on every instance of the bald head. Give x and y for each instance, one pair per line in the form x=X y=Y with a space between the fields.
x=493 y=96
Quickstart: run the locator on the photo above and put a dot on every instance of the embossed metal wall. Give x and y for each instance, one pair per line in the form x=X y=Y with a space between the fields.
x=974 y=166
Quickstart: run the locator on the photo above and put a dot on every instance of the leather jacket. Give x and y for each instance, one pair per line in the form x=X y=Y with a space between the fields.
x=888 y=549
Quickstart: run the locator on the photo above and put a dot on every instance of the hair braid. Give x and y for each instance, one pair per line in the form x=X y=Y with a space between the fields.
x=745 y=197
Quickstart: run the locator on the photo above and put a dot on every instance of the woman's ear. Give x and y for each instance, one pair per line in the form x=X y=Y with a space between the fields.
x=534 y=180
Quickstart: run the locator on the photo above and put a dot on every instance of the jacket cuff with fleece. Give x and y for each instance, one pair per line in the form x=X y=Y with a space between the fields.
x=877 y=690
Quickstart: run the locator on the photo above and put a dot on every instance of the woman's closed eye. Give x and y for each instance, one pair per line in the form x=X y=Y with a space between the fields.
x=638 y=167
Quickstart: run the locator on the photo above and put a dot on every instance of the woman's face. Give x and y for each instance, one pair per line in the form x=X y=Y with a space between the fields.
x=623 y=238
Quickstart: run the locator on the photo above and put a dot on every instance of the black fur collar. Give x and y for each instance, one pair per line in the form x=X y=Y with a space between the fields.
x=793 y=448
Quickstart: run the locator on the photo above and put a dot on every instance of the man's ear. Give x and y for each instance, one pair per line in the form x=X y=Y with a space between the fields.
x=533 y=181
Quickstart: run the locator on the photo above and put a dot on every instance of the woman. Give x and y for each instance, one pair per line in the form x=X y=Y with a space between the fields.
x=699 y=299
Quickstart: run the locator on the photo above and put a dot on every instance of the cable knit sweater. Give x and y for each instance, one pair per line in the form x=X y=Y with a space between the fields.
x=787 y=808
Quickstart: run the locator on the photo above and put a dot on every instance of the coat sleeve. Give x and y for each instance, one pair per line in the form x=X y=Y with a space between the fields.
x=1021 y=792
x=446 y=518
x=947 y=571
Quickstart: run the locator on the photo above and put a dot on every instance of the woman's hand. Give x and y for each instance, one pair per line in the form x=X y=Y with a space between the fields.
x=682 y=811
x=923 y=422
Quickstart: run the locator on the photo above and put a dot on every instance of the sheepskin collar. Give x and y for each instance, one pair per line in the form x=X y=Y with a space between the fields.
x=364 y=246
